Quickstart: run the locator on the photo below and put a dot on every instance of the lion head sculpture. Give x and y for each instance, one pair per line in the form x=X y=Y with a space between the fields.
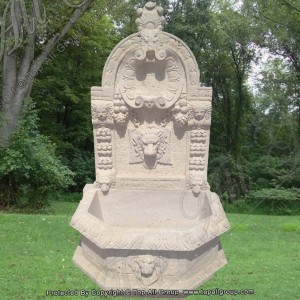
x=150 y=146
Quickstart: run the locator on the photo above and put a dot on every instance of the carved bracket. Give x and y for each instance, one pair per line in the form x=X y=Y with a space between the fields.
x=197 y=182
x=186 y=114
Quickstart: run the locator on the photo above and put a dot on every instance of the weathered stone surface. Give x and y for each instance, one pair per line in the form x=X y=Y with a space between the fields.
x=150 y=221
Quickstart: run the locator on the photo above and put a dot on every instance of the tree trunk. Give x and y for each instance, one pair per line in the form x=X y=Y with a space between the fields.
x=11 y=109
x=228 y=118
x=19 y=71
x=239 y=114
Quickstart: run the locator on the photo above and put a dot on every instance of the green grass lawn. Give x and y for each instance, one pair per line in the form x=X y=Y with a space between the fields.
x=36 y=251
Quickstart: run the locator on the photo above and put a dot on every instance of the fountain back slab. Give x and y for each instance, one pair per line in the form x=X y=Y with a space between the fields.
x=150 y=221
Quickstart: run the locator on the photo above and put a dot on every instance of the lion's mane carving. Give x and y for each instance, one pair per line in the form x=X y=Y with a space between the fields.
x=150 y=146
x=147 y=268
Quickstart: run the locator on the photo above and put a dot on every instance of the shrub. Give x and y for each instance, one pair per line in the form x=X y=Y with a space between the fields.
x=275 y=194
x=82 y=163
x=228 y=178
x=276 y=201
x=29 y=168
x=274 y=172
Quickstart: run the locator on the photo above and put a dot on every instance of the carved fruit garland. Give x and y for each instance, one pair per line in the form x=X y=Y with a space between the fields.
x=102 y=118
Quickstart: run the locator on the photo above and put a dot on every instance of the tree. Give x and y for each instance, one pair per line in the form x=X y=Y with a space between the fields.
x=28 y=36
x=62 y=91
x=220 y=38
x=275 y=98
x=191 y=21
x=276 y=25
x=231 y=46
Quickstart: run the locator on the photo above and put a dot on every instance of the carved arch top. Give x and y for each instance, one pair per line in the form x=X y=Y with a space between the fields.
x=132 y=68
x=151 y=99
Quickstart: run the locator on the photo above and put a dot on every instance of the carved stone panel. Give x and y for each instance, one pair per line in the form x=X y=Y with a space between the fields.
x=150 y=77
x=147 y=268
x=150 y=146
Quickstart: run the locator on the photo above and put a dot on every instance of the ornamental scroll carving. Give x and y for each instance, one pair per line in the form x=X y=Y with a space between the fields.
x=150 y=77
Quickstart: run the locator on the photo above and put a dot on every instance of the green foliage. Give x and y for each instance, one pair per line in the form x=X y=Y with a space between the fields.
x=276 y=27
x=62 y=91
x=254 y=142
x=227 y=177
x=191 y=21
x=82 y=163
x=275 y=201
x=267 y=202
x=269 y=171
x=276 y=194
x=29 y=168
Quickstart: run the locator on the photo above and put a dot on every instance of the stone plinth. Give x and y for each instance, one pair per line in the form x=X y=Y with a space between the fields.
x=149 y=239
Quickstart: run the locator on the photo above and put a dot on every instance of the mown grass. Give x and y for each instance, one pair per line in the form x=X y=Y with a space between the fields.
x=36 y=255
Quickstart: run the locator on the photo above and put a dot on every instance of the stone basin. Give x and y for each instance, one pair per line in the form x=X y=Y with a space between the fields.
x=130 y=244
x=150 y=209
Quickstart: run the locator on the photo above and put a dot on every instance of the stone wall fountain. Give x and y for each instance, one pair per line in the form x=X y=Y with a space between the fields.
x=150 y=220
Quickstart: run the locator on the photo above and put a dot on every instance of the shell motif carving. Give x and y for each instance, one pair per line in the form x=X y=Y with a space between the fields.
x=150 y=17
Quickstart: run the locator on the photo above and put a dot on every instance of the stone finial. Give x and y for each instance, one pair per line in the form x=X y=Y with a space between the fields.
x=150 y=17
